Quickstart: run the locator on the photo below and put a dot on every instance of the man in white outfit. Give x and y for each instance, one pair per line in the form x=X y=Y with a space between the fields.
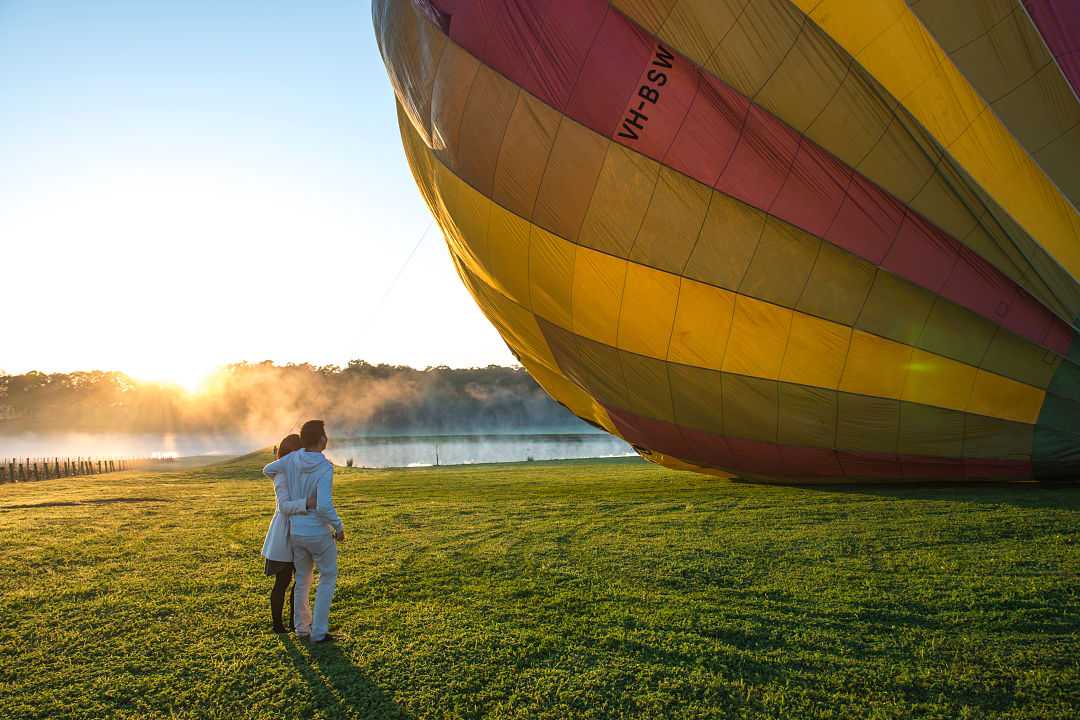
x=313 y=535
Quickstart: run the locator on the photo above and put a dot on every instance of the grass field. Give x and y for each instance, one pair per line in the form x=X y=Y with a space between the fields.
x=583 y=589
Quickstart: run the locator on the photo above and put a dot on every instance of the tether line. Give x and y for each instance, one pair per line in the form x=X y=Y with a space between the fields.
x=404 y=265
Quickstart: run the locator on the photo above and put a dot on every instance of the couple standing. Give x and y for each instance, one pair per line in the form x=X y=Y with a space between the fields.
x=304 y=532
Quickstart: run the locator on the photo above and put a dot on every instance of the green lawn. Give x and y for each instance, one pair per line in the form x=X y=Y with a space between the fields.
x=545 y=590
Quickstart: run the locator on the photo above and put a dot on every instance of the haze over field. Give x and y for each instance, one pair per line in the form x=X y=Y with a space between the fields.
x=248 y=405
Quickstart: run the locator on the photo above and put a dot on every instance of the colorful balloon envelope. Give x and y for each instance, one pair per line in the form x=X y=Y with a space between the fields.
x=794 y=239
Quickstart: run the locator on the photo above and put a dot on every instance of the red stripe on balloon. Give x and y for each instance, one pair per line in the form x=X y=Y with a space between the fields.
x=710 y=132
x=607 y=77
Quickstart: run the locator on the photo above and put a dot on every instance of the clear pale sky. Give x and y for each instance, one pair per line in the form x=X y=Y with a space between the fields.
x=193 y=182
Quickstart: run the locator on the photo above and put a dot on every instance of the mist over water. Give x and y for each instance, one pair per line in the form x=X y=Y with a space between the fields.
x=263 y=402
x=372 y=452
x=140 y=445
x=471 y=449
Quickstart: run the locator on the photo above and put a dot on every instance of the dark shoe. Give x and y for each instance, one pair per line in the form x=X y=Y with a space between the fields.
x=280 y=629
x=325 y=639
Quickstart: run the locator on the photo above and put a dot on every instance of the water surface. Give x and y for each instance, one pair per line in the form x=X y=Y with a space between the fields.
x=382 y=452
x=371 y=451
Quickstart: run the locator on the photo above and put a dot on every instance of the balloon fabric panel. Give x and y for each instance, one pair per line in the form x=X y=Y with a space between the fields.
x=746 y=240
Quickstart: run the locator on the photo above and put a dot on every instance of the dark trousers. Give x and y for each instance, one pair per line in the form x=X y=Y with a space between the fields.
x=277 y=597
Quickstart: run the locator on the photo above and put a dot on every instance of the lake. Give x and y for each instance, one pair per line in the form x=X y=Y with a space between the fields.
x=370 y=451
x=382 y=452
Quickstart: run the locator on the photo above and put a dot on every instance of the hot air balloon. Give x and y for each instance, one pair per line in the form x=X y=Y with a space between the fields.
x=793 y=239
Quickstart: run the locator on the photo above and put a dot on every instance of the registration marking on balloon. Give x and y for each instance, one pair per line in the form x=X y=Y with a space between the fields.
x=648 y=93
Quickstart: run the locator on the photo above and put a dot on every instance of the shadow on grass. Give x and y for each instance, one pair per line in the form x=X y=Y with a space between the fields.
x=1016 y=494
x=73 y=503
x=1035 y=494
x=339 y=686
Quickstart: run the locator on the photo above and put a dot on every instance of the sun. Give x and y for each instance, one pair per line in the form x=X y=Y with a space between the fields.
x=194 y=381
x=192 y=378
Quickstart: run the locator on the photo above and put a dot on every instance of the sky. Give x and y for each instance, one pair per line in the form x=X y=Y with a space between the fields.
x=190 y=183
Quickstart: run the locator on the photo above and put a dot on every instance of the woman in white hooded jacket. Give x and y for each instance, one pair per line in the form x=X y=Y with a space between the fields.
x=276 y=547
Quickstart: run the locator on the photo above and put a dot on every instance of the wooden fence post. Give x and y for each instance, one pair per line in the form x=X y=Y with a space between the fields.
x=42 y=468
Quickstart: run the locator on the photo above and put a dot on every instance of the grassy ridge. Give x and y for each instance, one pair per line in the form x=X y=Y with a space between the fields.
x=582 y=589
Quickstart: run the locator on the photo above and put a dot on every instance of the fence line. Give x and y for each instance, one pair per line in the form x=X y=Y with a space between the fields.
x=49 y=468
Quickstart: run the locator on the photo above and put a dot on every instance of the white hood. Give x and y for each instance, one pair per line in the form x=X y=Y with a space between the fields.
x=306 y=474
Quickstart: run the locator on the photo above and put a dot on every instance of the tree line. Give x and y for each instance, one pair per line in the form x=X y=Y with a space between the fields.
x=260 y=397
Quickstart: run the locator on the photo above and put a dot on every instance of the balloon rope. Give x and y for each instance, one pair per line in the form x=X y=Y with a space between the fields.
x=401 y=270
